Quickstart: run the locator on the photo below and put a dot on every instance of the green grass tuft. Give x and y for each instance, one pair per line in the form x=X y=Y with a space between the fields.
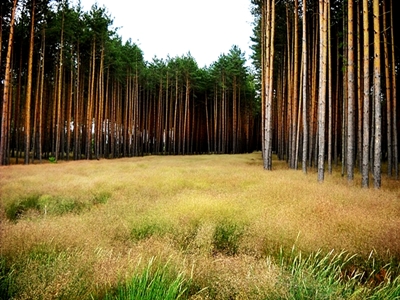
x=155 y=282
x=16 y=209
x=226 y=237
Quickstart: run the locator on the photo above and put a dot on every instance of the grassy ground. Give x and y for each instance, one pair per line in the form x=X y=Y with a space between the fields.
x=201 y=227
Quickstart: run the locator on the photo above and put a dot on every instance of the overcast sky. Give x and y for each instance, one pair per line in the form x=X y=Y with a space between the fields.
x=206 y=28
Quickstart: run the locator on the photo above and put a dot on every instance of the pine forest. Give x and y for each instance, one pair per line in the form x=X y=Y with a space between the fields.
x=322 y=91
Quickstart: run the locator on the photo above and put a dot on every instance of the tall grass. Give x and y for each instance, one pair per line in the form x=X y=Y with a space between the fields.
x=87 y=229
x=153 y=283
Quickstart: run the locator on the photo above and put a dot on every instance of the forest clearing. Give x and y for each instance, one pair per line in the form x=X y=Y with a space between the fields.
x=195 y=227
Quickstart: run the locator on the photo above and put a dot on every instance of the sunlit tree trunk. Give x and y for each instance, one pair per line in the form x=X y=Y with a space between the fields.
x=268 y=86
x=4 y=130
x=323 y=27
x=28 y=100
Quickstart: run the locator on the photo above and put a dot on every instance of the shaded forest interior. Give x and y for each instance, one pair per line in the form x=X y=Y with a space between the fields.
x=320 y=91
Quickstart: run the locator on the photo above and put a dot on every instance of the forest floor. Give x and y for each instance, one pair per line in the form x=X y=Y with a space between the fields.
x=222 y=224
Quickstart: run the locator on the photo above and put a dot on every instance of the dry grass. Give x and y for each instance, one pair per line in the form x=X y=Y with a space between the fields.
x=169 y=207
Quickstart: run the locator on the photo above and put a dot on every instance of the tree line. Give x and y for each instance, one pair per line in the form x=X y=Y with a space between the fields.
x=328 y=78
x=72 y=89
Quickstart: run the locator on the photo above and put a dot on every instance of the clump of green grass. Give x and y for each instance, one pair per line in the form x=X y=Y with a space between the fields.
x=56 y=205
x=155 y=282
x=101 y=197
x=44 y=272
x=147 y=227
x=335 y=276
x=16 y=208
x=226 y=237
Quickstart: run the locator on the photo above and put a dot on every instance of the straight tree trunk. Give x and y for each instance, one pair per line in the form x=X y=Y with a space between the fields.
x=28 y=100
x=59 y=124
x=304 y=88
x=377 y=97
x=366 y=104
x=296 y=108
x=388 y=95
x=6 y=89
x=323 y=27
x=394 y=93
x=351 y=93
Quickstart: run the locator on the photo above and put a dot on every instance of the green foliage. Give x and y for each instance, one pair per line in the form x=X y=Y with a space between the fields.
x=55 y=205
x=15 y=209
x=101 y=197
x=148 y=228
x=52 y=160
x=335 y=276
x=155 y=282
x=226 y=238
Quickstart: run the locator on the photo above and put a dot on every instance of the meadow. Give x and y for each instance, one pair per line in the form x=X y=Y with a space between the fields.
x=194 y=227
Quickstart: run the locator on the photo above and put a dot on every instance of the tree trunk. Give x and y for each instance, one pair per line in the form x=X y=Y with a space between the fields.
x=366 y=104
x=304 y=88
x=377 y=97
x=388 y=95
x=394 y=93
x=6 y=89
x=351 y=93
x=27 y=131
x=323 y=27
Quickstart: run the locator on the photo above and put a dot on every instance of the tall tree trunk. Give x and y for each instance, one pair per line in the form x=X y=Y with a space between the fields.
x=268 y=87
x=295 y=86
x=59 y=124
x=388 y=95
x=377 y=97
x=28 y=101
x=304 y=88
x=40 y=125
x=351 y=92
x=4 y=130
x=366 y=104
x=394 y=93
x=323 y=27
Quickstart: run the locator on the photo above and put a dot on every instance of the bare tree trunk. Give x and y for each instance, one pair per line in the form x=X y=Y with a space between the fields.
x=304 y=88
x=269 y=55
x=351 y=93
x=295 y=86
x=59 y=124
x=28 y=101
x=366 y=104
x=324 y=6
x=4 y=130
x=387 y=94
x=394 y=92
x=377 y=98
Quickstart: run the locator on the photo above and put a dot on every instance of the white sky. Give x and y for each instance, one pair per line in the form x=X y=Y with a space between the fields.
x=206 y=28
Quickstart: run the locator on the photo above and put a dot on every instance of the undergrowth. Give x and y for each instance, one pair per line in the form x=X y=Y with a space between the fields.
x=225 y=226
x=154 y=282
x=52 y=205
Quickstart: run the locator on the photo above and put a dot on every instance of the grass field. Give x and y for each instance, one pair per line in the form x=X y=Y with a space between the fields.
x=197 y=227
